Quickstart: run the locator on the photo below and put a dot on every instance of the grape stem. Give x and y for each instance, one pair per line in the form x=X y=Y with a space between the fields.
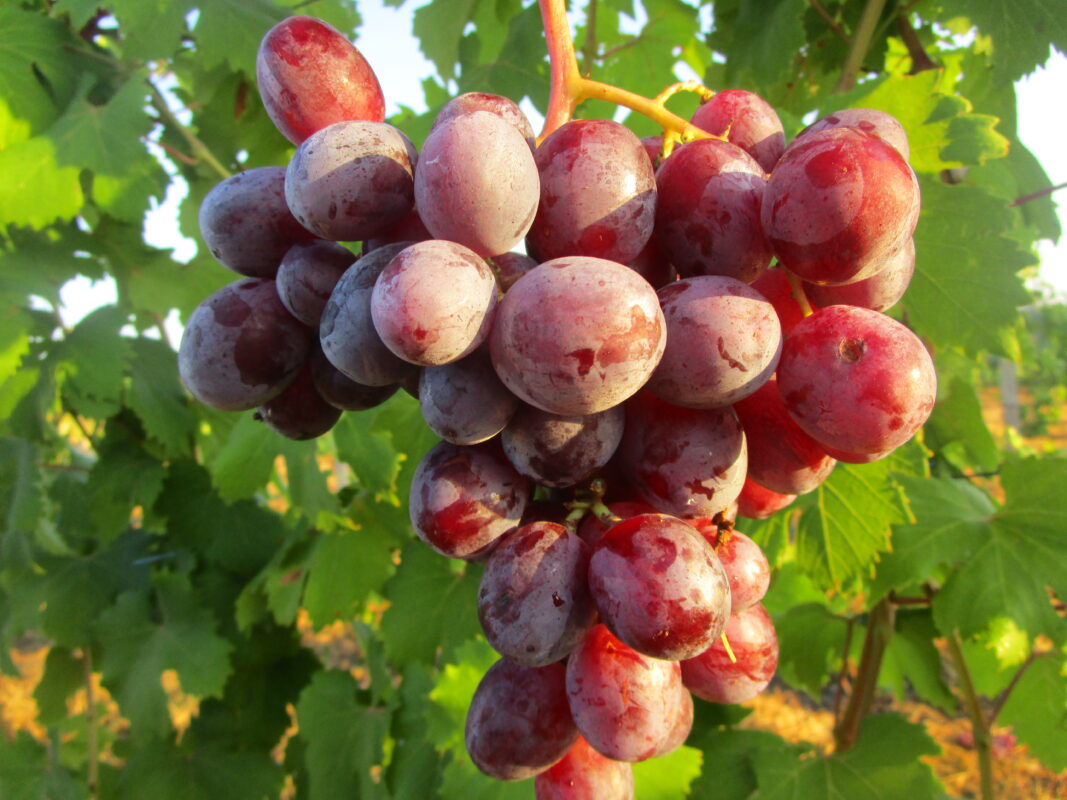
x=880 y=623
x=568 y=88
x=983 y=740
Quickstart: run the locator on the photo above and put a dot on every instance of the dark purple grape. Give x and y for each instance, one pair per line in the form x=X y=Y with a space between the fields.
x=464 y=402
x=562 y=451
x=463 y=499
x=533 y=601
x=434 y=302
x=708 y=214
x=715 y=677
x=598 y=193
x=624 y=704
x=748 y=121
x=306 y=277
x=247 y=224
x=686 y=462
x=512 y=266
x=659 y=587
x=241 y=347
x=299 y=412
x=408 y=231
x=476 y=183
x=352 y=180
x=519 y=723
x=654 y=265
x=723 y=342
x=347 y=332
x=584 y=774
x=577 y=335
x=502 y=107
x=339 y=390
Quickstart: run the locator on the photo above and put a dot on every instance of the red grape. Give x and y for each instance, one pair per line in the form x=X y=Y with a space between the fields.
x=759 y=502
x=584 y=774
x=879 y=292
x=714 y=677
x=746 y=120
x=339 y=390
x=869 y=120
x=502 y=107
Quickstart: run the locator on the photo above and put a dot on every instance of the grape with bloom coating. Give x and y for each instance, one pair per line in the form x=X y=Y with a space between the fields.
x=562 y=451
x=464 y=402
x=746 y=120
x=577 y=335
x=716 y=677
x=307 y=275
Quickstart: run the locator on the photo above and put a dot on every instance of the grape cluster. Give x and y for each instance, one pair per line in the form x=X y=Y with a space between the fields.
x=608 y=401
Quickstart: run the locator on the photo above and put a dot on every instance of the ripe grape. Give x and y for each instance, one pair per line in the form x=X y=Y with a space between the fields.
x=464 y=402
x=299 y=411
x=746 y=120
x=511 y=266
x=781 y=456
x=774 y=285
x=519 y=723
x=746 y=566
x=659 y=588
x=708 y=213
x=624 y=704
x=558 y=450
x=311 y=76
x=879 y=292
x=653 y=264
x=869 y=120
x=476 y=183
x=714 y=677
x=247 y=224
x=434 y=302
x=682 y=461
x=463 y=499
x=352 y=180
x=838 y=204
x=584 y=774
x=577 y=335
x=759 y=502
x=533 y=600
x=593 y=528
x=598 y=193
x=241 y=347
x=723 y=342
x=339 y=390
x=306 y=277
x=502 y=107
x=856 y=380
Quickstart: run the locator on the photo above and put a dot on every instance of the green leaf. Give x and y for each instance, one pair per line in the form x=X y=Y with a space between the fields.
x=157 y=397
x=229 y=31
x=668 y=777
x=138 y=646
x=763 y=38
x=729 y=757
x=957 y=423
x=27 y=773
x=164 y=771
x=344 y=738
x=246 y=460
x=912 y=653
x=63 y=675
x=1037 y=711
x=414 y=626
x=439 y=28
x=153 y=28
x=415 y=767
x=21 y=502
x=810 y=644
x=965 y=290
x=37 y=190
x=93 y=359
x=1022 y=31
x=452 y=695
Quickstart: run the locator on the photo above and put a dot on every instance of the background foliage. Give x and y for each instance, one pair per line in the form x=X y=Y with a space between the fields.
x=182 y=553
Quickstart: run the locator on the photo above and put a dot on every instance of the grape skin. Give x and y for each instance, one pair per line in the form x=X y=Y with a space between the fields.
x=584 y=774
x=307 y=275
x=746 y=566
x=299 y=412
x=502 y=107
x=339 y=390
x=562 y=451
x=519 y=723
x=856 y=380
x=463 y=499
x=759 y=502
x=624 y=704
x=476 y=183
x=241 y=347
x=684 y=462
x=310 y=76
x=880 y=292
x=714 y=677
x=598 y=193
x=464 y=402
x=838 y=204
x=577 y=335
x=352 y=180
x=723 y=342
x=708 y=214
x=659 y=588
x=346 y=330
x=869 y=120
x=434 y=302
x=533 y=600
x=246 y=223
x=748 y=121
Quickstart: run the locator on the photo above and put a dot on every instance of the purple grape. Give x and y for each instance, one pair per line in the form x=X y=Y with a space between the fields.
x=463 y=499
x=299 y=412
x=339 y=390
x=598 y=193
x=577 y=335
x=502 y=107
x=241 y=347
x=247 y=224
x=476 y=183
x=434 y=302
x=584 y=774
x=562 y=451
x=533 y=601
x=464 y=402
x=306 y=277
x=352 y=180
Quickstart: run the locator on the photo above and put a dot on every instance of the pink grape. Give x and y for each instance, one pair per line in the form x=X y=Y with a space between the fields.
x=519 y=723
x=503 y=107
x=306 y=277
x=714 y=677
x=759 y=502
x=533 y=600
x=879 y=292
x=598 y=193
x=774 y=285
x=463 y=499
x=311 y=76
x=577 y=335
x=659 y=588
x=869 y=120
x=584 y=774
x=746 y=120
x=745 y=564
x=856 y=380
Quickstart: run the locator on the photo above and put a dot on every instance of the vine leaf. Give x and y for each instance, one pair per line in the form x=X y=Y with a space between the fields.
x=1022 y=31
x=162 y=771
x=1037 y=711
x=28 y=773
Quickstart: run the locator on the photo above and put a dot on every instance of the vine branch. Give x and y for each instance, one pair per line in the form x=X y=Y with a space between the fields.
x=861 y=43
x=879 y=631
x=196 y=144
x=983 y=741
